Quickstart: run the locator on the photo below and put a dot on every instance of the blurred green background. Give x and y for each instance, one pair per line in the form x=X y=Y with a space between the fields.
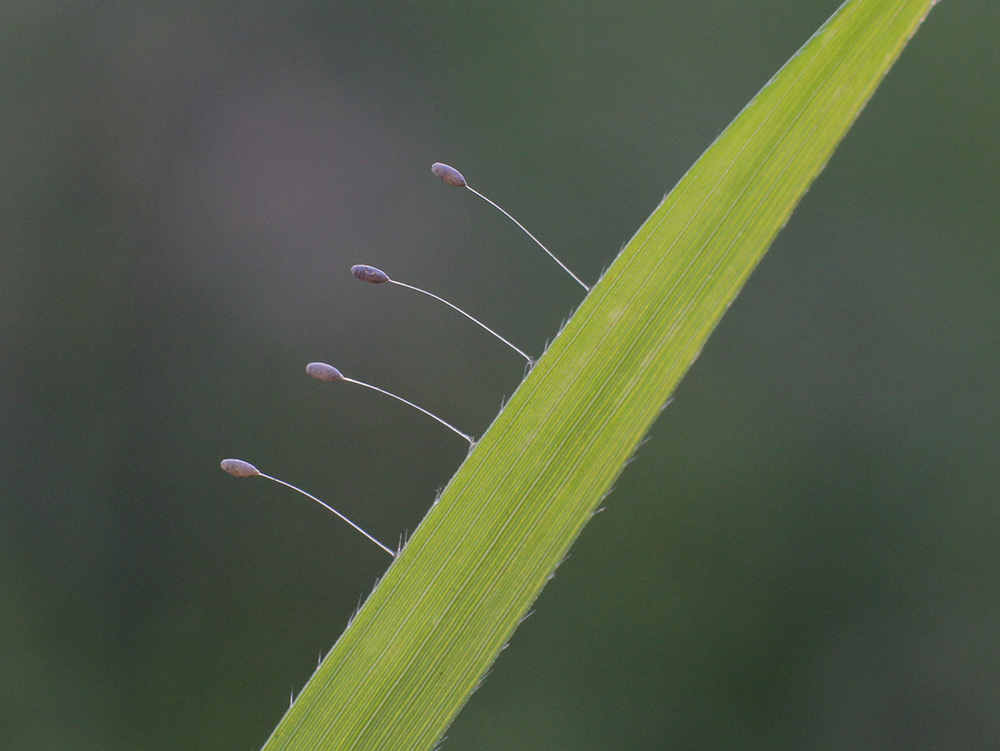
x=805 y=553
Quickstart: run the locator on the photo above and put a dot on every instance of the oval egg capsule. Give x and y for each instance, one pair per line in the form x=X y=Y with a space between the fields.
x=321 y=371
x=239 y=468
x=449 y=174
x=369 y=274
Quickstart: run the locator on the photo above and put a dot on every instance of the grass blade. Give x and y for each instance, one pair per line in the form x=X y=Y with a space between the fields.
x=451 y=600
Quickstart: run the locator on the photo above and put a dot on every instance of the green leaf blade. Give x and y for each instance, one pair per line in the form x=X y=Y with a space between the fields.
x=449 y=603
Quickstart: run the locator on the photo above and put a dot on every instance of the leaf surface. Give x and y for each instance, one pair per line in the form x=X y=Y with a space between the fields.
x=450 y=601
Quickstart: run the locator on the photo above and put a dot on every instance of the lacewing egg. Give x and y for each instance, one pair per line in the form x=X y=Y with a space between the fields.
x=376 y=276
x=369 y=274
x=239 y=468
x=321 y=371
x=324 y=372
x=449 y=174
x=453 y=177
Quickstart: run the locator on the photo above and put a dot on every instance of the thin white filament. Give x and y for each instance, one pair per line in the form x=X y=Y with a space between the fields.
x=448 y=425
x=476 y=321
x=328 y=507
x=525 y=230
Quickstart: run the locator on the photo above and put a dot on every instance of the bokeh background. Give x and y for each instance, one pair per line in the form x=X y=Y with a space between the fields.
x=804 y=555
